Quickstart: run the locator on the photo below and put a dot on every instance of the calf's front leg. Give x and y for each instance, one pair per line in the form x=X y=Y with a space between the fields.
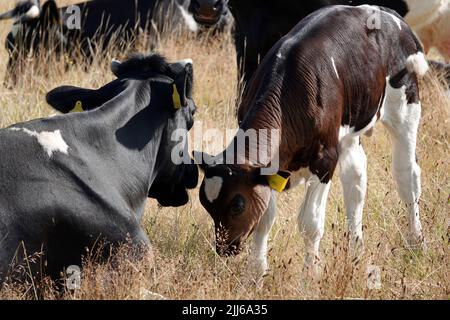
x=312 y=220
x=258 y=257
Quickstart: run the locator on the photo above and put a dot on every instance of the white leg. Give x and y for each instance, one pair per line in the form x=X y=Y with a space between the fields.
x=258 y=259
x=312 y=219
x=353 y=163
x=402 y=122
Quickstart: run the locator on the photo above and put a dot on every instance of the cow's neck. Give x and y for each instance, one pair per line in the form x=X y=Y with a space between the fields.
x=128 y=131
x=270 y=113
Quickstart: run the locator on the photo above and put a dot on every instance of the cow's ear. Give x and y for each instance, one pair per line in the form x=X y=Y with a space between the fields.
x=183 y=75
x=50 y=14
x=67 y=99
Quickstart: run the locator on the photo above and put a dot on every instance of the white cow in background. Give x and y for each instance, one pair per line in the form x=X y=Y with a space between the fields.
x=430 y=19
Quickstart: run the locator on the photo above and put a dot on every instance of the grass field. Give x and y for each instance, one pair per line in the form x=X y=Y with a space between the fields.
x=186 y=266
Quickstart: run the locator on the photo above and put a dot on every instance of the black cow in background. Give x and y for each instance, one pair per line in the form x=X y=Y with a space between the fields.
x=70 y=181
x=86 y=28
x=259 y=24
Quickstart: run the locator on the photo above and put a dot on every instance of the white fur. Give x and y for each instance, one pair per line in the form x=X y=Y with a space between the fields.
x=50 y=141
x=402 y=121
x=312 y=218
x=258 y=260
x=213 y=186
x=33 y=12
x=423 y=13
x=186 y=61
x=299 y=177
x=353 y=174
x=417 y=63
x=334 y=67
x=188 y=19
x=430 y=20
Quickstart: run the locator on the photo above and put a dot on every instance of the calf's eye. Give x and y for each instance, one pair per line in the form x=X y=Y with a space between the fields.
x=237 y=205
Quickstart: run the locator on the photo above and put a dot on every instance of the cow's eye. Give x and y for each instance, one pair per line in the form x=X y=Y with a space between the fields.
x=237 y=205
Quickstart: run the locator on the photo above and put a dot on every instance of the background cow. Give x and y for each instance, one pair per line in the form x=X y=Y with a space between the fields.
x=260 y=24
x=101 y=24
x=71 y=181
x=321 y=94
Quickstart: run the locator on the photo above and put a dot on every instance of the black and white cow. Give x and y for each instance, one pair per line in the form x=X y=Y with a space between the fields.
x=88 y=27
x=321 y=87
x=70 y=181
x=261 y=23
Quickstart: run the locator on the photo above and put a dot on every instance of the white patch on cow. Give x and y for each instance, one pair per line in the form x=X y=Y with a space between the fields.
x=312 y=218
x=188 y=19
x=33 y=12
x=213 y=186
x=258 y=260
x=187 y=61
x=299 y=177
x=50 y=141
x=424 y=13
x=334 y=67
x=279 y=55
x=402 y=121
x=417 y=63
x=353 y=175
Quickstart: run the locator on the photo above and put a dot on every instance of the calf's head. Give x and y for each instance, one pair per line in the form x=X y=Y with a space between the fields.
x=171 y=109
x=208 y=12
x=236 y=197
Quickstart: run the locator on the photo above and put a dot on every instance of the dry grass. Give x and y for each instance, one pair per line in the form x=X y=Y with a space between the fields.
x=186 y=265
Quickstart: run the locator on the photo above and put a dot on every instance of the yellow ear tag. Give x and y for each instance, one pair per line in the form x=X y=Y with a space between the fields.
x=277 y=182
x=176 y=98
x=78 y=107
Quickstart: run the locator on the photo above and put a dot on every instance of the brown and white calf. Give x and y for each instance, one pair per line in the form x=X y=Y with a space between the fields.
x=321 y=86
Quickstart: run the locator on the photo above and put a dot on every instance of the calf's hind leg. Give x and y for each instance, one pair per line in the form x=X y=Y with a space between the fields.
x=401 y=117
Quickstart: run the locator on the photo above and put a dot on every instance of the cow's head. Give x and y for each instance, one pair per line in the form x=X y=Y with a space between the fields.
x=34 y=26
x=236 y=197
x=208 y=12
x=171 y=102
